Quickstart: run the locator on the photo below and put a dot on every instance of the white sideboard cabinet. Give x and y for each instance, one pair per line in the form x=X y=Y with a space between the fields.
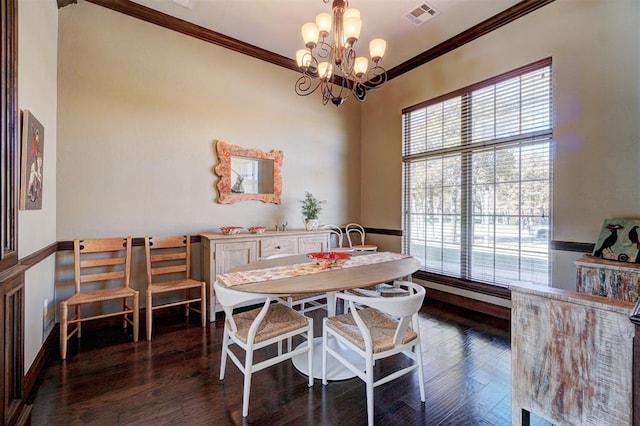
x=221 y=253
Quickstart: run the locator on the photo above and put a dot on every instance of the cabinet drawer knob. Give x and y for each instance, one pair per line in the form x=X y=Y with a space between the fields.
x=277 y=247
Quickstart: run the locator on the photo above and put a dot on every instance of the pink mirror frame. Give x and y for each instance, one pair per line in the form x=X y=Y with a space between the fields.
x=225 y=151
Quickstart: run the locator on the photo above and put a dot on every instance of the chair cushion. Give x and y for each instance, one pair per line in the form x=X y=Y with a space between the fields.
x=381 y=326
x=161 y=287
x=280 y=319
x=100 y=295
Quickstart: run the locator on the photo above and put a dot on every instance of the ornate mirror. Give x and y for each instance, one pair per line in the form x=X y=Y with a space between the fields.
x=248 y=174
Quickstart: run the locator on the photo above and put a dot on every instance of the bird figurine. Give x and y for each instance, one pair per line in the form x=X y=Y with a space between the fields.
x=610 y=240
x=237 y=187
x=633 y=236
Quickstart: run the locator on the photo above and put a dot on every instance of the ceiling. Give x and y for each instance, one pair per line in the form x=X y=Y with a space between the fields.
x=274 y=25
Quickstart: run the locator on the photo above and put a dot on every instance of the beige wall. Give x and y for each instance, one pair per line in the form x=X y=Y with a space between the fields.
x=139 y=110
x=595 y=50
x=37 y=69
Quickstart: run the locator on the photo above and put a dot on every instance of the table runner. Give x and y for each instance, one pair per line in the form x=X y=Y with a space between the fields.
x=231 y=279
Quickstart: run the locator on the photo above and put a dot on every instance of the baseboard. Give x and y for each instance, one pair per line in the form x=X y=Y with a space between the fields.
x=50 y=344
x=472 y=304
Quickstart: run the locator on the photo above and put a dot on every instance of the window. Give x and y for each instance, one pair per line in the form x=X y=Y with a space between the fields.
x=477 y=179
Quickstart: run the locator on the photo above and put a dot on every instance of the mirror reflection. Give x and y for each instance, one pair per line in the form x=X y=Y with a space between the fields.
x=252 y=175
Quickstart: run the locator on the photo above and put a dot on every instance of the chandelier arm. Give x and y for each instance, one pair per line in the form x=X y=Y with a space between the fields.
x=337 y=90
x=360 y=91
x=323 y=50
x=305 y=85
x=326 y=92
x=348 y=61
x=376 y=77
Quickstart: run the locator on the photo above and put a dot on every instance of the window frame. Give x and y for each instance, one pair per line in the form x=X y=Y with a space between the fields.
x=496 y=289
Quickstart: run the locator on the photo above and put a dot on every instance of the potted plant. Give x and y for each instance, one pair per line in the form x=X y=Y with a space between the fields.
x=311 y=208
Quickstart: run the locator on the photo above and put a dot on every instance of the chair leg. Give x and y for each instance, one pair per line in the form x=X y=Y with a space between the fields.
x=248 y=370
x=64 y=312
x=124 y=317
x=203 y=304
x=331 y=304
x=149 y=312
x=418 y=352
x=310 y=354
x=223 y=355
x=325 y=343
x=289 y=341
x=369 y=384
x=136 y=319
x=79 y=323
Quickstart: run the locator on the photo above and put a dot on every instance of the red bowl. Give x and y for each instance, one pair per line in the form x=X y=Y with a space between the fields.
x=329 y=259
x=231 y=230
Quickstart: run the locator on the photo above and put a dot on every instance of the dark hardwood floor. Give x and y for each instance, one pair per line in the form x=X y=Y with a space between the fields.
x=173 y=380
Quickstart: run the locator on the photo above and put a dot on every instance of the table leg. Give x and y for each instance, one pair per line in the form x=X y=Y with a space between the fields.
x=335 y=369
x=331 y=304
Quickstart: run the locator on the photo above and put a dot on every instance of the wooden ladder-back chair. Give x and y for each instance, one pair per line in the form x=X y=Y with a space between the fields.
x=169 y=270
x=102 y=260
x=384 y=327
x=258 y=328
x=358 y=229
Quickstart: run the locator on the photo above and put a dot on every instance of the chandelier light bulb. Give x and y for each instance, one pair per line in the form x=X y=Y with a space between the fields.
x=352 y=27
x=377 y=48
x=351 y=12
x=303 y=58
x=360 y=66
x=310 y=34
x=325 y=69
x=324 y=21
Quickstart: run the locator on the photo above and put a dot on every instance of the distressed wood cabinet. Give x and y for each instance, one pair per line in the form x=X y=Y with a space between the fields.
x=571 y=357
x=221 y=253
x=607 y=278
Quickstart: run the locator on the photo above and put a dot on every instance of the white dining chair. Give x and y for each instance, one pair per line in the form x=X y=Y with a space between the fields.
x=303 y=302
x=358 y=229
x=256 y=329
x=386 y=326
x=336 y=231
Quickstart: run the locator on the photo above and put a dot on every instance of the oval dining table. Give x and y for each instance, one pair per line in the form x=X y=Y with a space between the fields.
x=327 y=281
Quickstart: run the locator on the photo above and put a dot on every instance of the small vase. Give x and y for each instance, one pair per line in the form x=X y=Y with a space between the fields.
x=311 y=224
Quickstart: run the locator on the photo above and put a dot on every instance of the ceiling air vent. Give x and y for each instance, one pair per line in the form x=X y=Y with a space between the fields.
x=185 y=3
x=421 y=14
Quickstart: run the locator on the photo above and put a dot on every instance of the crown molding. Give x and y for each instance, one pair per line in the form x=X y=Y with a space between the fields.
x=152 y=16
x=485 y=27
x=144 y=13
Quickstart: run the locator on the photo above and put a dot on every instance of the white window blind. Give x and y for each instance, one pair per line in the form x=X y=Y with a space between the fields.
x=477 y=179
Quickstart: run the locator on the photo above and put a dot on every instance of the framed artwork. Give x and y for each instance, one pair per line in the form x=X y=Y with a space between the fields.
x=618 y=240
x=31 y=162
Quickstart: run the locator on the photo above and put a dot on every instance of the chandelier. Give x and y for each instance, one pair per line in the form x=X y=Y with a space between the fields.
x=334 y=66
